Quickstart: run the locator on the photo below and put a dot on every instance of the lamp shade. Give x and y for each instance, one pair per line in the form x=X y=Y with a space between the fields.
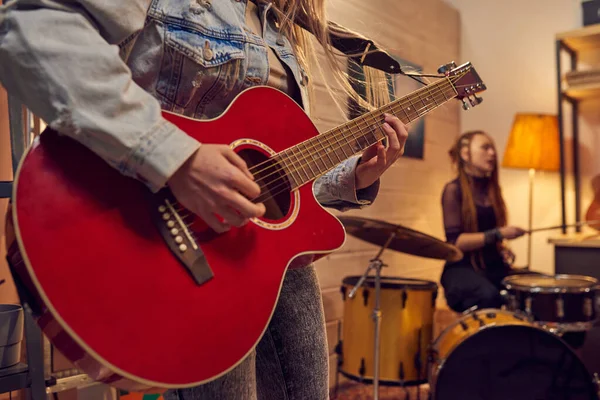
x=533 y=143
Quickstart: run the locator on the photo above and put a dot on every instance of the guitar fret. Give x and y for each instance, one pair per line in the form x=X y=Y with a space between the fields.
x=432 y=95
x=332 y=148
x=344 y=145
x=317 y=156
x=295 y=166
x=413 y=109
x=356 y=147
x=289 y=171
x=309 y=161
x=361 y=140
x=418 y=110
x=405 y=113
x=423 y=101
x=365 y=143
x=371 y=131
x=340 y=147
x=430 y=99
x=300 y=165
x=444 y=94
x=347 y=145
x=325 y=152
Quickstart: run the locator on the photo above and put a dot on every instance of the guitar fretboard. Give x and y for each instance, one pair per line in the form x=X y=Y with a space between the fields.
x=314 y=157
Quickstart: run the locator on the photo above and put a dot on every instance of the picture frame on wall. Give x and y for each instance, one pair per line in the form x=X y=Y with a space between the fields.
x=398 y=86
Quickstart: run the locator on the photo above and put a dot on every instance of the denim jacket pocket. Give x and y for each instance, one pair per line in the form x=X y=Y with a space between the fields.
x=193 y=67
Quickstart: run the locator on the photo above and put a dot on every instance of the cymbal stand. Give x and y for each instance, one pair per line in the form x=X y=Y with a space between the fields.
x=375 y=264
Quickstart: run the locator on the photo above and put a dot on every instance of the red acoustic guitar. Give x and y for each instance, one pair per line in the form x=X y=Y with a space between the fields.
x=140 y=295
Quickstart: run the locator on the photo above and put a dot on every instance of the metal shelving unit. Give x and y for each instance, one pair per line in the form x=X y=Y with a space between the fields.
x=573 y=43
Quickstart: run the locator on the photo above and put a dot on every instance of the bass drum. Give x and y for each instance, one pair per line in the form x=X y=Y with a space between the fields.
x=499 y=355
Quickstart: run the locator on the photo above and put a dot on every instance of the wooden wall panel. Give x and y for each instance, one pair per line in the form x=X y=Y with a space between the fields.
x=426 y=33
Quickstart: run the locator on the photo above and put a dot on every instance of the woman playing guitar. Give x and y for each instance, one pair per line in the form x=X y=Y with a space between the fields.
x=102 y=72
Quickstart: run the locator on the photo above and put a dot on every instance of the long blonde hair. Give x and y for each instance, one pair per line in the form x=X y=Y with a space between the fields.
x=313 y=13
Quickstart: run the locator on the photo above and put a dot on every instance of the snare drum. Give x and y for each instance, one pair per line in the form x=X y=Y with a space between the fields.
x=499 y=355
x=407 y=307
x=566 y=302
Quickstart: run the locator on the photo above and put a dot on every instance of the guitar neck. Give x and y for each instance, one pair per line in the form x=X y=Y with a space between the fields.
x=314 y=157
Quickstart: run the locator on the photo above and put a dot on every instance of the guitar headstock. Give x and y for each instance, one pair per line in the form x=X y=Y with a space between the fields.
x=466 y=81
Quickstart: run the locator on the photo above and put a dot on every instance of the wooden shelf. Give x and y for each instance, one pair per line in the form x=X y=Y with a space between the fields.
x=581 y=92
x=587 y=38
x=581 y=239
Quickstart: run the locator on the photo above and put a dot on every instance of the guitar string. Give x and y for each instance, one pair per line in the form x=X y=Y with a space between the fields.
x=370 y=116
x=298 y=167
x=284 y=184
x=403 y=101
x=367 y=117
x=300 y=164
x=285 y=180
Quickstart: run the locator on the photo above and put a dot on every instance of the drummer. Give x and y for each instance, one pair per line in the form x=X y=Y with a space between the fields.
x=475 y=222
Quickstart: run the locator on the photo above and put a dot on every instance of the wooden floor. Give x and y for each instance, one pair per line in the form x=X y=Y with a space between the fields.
x=357 y=391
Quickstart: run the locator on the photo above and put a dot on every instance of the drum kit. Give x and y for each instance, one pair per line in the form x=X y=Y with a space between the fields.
x=516 y=352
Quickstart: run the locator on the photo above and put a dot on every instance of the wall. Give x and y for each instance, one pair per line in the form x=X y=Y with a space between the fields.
x=512 y=43
x=425 y=33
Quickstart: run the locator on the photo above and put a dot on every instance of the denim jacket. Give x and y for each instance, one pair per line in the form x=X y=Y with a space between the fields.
x=102 y=71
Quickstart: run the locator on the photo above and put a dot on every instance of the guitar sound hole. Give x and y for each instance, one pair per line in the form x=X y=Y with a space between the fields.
x=273 y=181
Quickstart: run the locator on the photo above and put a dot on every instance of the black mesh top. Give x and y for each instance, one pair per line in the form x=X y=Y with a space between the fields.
x=486 y=219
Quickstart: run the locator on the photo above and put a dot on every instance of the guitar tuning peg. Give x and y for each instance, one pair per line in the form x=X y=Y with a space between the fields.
x=465 y=105
x=474 y=100
x=444 y=69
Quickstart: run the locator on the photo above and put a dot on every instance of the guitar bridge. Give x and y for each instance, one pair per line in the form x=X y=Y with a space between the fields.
x=178 y=236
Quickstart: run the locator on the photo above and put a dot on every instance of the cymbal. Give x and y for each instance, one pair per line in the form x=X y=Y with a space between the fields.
x=406 y=240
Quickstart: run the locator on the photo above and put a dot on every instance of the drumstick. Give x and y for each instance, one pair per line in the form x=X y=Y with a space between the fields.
x=566 y=226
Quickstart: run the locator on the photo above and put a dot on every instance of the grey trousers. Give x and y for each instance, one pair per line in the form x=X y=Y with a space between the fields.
x=290 y=361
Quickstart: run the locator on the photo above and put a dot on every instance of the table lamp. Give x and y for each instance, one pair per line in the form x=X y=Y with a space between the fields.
x=533 y=144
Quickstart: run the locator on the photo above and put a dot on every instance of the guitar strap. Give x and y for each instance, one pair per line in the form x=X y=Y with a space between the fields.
x=360 y=49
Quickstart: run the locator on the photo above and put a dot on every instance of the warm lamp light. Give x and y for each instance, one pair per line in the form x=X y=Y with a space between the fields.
x=533 y=144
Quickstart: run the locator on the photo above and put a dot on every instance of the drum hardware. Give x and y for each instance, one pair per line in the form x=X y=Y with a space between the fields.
x=523 y=316
x=560 y=307
x=588 y=307
x=476 y=318
x=404 y=240
x=528 y=305
x=470 y=310
x=375 y=264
